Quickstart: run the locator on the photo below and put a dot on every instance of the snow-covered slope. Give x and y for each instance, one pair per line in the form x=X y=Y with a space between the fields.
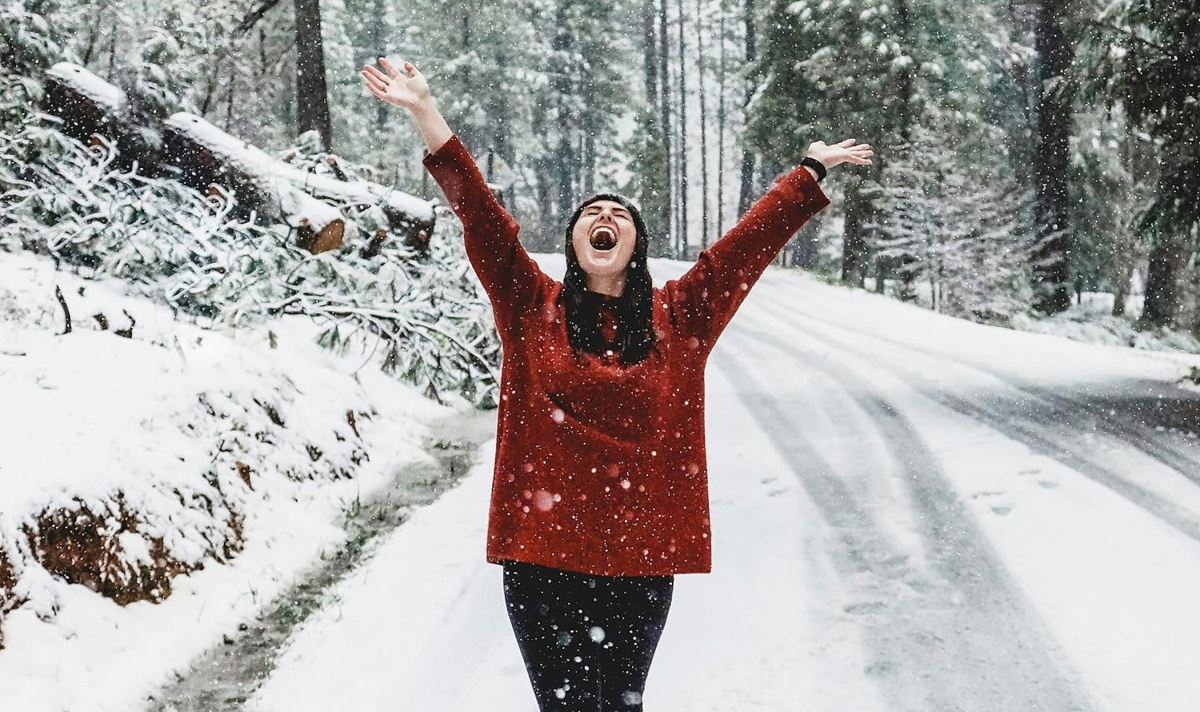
x=126 y=460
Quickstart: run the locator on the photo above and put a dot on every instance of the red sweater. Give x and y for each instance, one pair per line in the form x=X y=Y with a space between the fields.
x=600 y=468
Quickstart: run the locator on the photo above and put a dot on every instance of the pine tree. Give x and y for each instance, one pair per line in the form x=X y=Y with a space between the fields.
x=1144 y=55
x=962 y=230
x=869 y=70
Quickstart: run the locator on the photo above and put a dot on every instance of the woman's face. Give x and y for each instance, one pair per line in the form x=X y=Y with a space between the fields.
x=604 y=237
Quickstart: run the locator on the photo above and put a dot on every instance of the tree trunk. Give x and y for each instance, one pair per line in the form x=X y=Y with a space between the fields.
x=665 y=75
x=112 y=49
x=854 y=247
x=229 y=104
x=721 y=126
x=565 y=158
x=745 y=196
x=382 y=110
x=210 y=87
x=90 y=45
x=682 y=250
x=804 y=254
x=657 y=212
x=589 y=173
x=1123 y=277
x=1051 y=259
x=312 y=97
x=700 y=54
x=904 y=81
x=564 y=153
x=650 y=57
x=1162 y=282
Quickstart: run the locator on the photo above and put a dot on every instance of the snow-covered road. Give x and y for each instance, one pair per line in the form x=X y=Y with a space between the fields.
x=910 y=512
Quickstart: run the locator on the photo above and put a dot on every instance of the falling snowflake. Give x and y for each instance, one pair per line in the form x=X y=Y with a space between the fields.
x=544 y=500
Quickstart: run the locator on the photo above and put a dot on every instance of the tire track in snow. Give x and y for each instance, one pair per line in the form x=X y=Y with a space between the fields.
x=1055 y=431
x=949 y=634
x=1175 y=408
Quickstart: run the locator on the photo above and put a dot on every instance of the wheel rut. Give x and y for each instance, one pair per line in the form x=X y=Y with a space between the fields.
x=946 y=629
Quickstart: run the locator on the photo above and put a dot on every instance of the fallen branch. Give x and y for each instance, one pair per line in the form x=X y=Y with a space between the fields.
x=63 y=303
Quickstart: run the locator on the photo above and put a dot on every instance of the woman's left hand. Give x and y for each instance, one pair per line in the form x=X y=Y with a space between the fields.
x=844 y=152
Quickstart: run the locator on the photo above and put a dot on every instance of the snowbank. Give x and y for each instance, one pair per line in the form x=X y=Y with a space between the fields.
x=131 y=465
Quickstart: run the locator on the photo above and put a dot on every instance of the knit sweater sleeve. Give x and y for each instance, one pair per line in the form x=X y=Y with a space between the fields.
x=507 y=272
x=705 y=298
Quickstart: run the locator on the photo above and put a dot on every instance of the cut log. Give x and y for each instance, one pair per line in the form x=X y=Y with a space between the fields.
x=88 y=106
x=406 y=214
x=190 y=149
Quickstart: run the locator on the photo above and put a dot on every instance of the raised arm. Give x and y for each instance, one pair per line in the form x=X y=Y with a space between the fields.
x=508 y=274
x=705 y=298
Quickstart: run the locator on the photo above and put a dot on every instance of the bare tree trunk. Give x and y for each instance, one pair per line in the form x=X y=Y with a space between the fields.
x=312 y=97
x=650 y=57
x=210 y=88
x=805 y=253
x=904 y=83
x=854 y=248
x=665 y=75
x=657 y=211
x=1124 y=256
x=589 y=153
x=721 y=126
x=745 y=196
x=377 y=39
x=1123 y=277
x=565 y=157
x=1051 y=260
x=112 y=50
x=1163 y=297
x=229 y=104
x=700 y=53
x=90 y=46
x=683 y=148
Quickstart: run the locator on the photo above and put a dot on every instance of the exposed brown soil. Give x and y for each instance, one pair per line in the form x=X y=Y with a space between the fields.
x=110 y=548
x=85 y=547
x=8 y=581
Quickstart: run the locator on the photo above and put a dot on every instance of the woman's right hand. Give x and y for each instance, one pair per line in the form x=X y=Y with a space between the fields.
x=406 y=89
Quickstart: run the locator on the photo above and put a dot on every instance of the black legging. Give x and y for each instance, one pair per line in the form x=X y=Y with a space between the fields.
x=587 y=640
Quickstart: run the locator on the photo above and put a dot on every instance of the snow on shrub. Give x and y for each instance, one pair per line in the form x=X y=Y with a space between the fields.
x=129 y=460
x=430 y=320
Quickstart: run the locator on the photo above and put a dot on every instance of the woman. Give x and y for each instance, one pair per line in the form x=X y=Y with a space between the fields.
x=600 y=492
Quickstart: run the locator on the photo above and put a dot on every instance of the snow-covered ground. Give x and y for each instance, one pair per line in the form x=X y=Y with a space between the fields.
x=1089 y=319
x=90 y=414
x=910 y=512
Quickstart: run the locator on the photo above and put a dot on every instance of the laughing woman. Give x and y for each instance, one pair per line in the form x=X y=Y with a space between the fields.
x=600 y=491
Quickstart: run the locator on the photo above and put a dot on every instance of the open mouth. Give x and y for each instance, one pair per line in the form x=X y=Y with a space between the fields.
x=603 y=239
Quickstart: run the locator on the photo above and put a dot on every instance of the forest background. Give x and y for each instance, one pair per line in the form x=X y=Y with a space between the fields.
x=1028 y=152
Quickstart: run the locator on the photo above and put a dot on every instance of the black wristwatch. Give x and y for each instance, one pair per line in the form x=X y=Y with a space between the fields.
x=816 y=166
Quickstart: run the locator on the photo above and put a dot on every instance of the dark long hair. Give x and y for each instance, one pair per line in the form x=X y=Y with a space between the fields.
x=635 y=333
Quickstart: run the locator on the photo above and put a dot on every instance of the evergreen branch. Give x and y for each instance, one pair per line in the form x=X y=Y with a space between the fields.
x=1127 y=33
x=251 y=19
